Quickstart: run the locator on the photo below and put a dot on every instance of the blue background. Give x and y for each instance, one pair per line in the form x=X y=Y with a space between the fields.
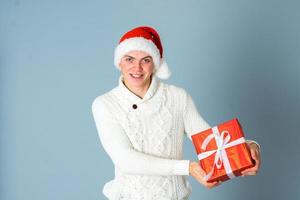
x=236 y=58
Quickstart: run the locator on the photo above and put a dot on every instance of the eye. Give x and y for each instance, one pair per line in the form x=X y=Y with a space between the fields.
x=147 y=60
x=128 y=59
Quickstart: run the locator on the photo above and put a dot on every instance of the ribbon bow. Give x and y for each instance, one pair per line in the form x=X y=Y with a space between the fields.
x=222 y=141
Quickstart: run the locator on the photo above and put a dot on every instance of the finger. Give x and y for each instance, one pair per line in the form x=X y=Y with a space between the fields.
x=251 y=173
x=252 y=169
x=212 y=184
x=255 y=156
x=254 y=153
x=200 y=171
x=257 y=163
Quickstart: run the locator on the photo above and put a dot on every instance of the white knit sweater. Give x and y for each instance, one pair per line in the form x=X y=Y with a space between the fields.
x=146 y=143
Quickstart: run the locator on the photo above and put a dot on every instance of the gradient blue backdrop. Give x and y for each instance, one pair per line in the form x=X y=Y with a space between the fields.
x=236 y=58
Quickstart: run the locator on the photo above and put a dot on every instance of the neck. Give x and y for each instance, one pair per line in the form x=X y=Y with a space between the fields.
x=139 y=91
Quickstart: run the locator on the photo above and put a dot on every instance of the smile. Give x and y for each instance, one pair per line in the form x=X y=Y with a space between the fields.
x=136 y=75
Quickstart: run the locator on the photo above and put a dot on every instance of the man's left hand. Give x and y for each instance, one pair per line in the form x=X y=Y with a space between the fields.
x=255 y=155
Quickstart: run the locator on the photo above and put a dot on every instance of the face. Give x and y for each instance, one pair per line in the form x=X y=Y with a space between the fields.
x=137 y=68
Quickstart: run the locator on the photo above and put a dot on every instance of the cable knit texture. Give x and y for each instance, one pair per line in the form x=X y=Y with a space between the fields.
x=146 y=144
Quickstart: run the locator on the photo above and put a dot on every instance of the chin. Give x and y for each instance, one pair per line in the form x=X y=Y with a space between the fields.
x=137 y=83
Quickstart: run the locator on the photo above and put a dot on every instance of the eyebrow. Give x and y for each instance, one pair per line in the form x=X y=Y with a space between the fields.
x=134 y=57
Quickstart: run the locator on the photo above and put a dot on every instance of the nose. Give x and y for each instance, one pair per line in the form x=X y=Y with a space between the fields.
x=138 y=66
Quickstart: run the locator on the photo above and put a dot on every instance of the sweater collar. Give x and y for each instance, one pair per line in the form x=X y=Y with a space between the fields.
x=133 y=97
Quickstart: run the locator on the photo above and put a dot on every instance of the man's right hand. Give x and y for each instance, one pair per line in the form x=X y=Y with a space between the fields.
x=198 y=173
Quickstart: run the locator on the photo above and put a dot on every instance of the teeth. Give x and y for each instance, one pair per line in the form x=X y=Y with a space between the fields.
x=136 y=75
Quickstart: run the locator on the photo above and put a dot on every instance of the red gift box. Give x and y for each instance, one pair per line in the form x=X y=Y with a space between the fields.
x=222 y=151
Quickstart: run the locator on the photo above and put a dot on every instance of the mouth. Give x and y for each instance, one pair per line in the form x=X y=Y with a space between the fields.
x=136 y=76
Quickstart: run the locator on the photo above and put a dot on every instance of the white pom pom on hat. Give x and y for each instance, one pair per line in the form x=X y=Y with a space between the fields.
x=143 y=38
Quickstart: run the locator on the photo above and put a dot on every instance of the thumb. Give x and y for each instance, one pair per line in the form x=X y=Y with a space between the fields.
x=253 y=154
x=200 y=170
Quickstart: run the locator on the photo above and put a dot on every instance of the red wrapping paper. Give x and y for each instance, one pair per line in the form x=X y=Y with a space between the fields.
x=238 y=155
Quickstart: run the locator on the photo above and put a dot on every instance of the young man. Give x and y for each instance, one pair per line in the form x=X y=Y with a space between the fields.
x=141 y=124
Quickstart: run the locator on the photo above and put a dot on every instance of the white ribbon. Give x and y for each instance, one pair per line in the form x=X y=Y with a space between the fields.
x=222 y=142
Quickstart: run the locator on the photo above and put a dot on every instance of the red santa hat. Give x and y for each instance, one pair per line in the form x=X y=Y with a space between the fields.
x=145 y=39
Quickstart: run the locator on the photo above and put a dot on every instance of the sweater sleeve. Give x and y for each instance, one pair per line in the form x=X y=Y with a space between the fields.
x=193 y=121
x=122 y=153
